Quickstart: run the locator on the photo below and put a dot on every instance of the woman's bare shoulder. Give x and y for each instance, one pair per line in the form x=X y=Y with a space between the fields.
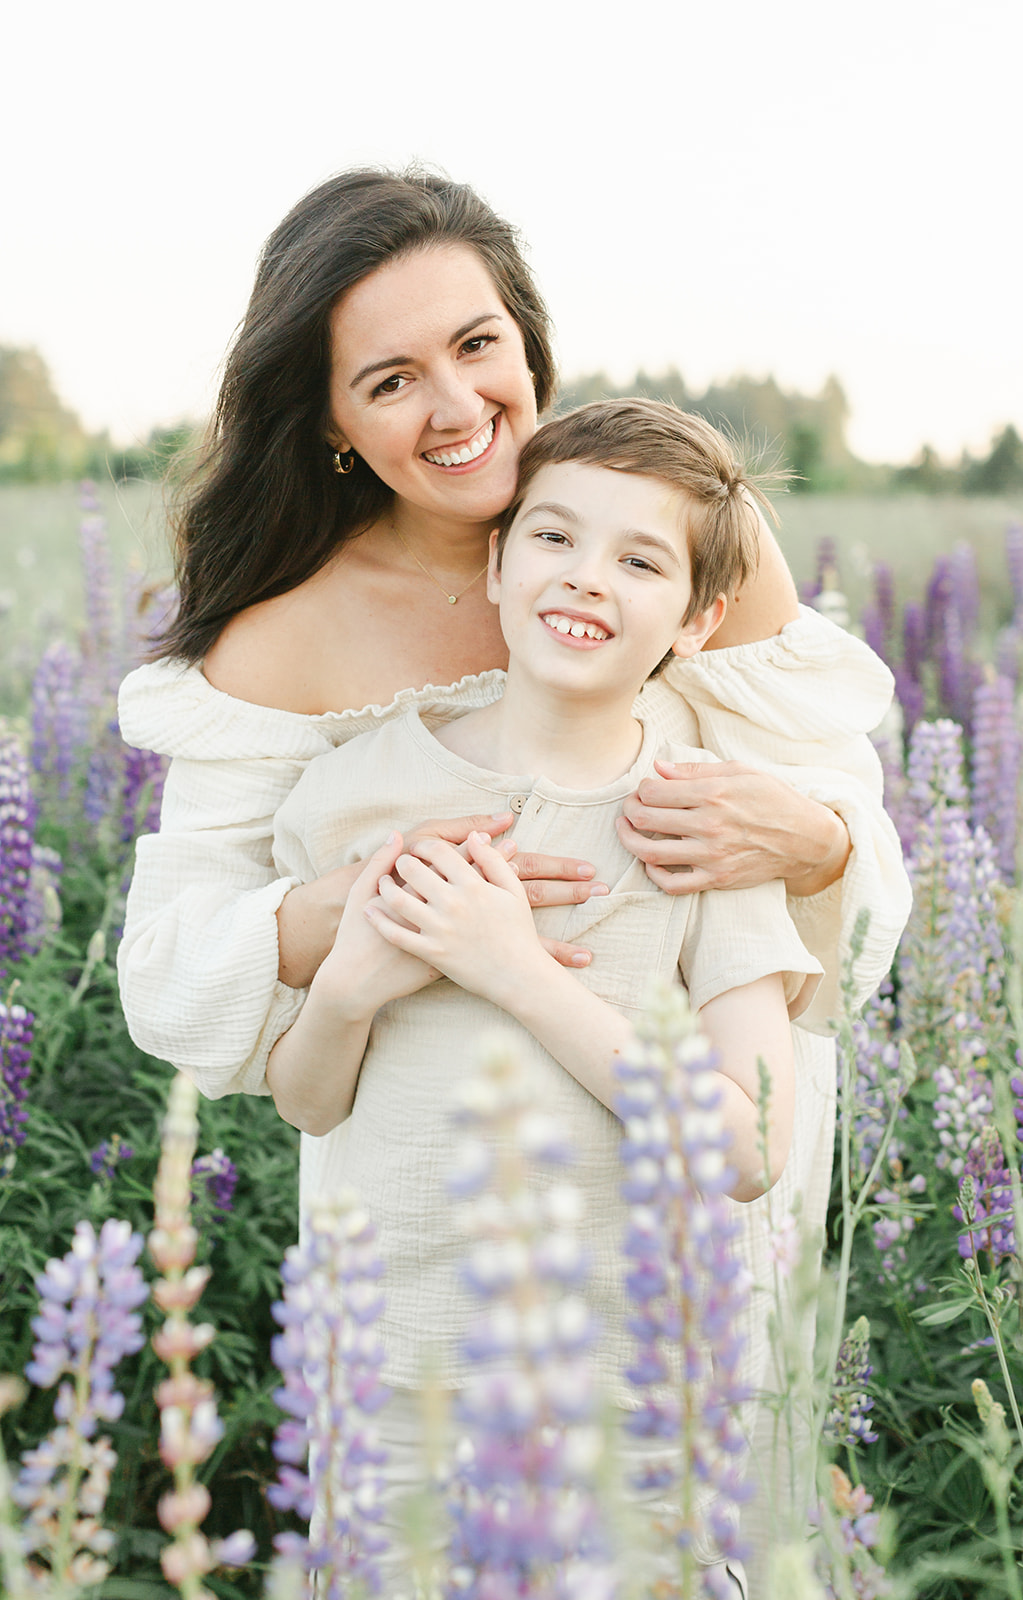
x=267 y=654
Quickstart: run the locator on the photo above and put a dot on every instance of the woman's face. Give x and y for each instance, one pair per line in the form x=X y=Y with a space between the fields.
x=429 y=383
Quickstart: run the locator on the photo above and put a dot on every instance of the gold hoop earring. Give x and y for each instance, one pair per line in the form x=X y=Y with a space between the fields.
x=347 y=464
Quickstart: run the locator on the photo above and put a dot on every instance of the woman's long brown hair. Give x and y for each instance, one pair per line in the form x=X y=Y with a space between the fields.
x=263 y=509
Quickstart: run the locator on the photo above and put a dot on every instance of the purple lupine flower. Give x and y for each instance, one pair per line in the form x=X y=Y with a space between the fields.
x=144 y=772
x=985 y=1200
x=106 y=1157
x=914 y=638
x=1014 y=561
x=104 y=778
x=1008 y=653
x=846 y=1422
x=909 y=673
x=685 y=1279
x=853 y=1528
x=147 y=611
x=884 y=605
x=17 y=824
x=879 y=1085
x=88 y=1322
x=522 y=1496
x=214 y=1178
x=16 y=1028
x=962 y=566
x=60 y=719
x=42 y=906
x=101 y=657
x=899 y=1208
x=329 y=1355
x=996 y=769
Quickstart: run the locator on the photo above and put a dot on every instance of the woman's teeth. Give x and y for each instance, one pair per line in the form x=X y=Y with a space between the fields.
x=468 y=452
x=572 y=625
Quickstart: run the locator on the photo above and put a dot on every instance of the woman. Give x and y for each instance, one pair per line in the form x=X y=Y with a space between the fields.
x=391 y=366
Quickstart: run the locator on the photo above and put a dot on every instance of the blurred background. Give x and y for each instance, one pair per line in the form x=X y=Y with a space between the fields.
x=803 y=219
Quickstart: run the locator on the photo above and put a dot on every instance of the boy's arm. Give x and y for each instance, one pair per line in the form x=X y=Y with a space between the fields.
x=313 y=1069
x=477 y=928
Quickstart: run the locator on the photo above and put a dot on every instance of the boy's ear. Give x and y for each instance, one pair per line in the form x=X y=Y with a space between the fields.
x=694 y=634
x=493 y=572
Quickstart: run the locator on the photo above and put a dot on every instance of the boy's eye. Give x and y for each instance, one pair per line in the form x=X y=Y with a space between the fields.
x=551 y=536
x=641 y=564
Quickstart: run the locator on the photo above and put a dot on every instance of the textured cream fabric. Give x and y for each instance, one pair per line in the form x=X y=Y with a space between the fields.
x=397 y=1146
x=198 y=960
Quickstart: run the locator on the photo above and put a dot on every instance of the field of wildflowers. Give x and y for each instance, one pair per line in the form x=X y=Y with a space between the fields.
x=147 y=1451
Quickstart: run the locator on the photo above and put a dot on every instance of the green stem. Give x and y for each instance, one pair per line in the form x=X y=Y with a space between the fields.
x=996 y=1333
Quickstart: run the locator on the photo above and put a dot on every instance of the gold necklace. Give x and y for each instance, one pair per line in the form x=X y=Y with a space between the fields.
x=451 y=598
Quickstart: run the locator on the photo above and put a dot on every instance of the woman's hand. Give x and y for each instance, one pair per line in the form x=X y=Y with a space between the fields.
x=731 y=827
x=464 y=914
x=308 y=916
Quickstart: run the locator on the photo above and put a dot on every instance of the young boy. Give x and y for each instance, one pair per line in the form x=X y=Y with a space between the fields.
x=631 y=525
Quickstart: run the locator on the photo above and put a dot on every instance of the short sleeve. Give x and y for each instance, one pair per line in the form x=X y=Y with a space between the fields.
x=734 y=936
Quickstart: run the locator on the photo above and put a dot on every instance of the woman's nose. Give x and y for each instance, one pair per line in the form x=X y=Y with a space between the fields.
x=457 y=407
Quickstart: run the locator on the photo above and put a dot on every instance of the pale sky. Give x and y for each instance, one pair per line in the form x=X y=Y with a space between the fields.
x=803 y=187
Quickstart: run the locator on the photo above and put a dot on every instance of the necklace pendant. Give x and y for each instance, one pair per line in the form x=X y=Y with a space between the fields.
x=451 y=599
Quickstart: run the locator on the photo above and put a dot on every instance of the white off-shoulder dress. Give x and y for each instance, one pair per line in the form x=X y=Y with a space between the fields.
x=198 y=960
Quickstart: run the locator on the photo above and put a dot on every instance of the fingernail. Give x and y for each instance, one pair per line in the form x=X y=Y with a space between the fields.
x=584 y=870
x=392 y=838
x=597 y=889
x=581 y=959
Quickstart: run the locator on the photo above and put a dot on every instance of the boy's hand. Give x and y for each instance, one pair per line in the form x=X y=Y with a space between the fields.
x=362 y=971
x=468 y=917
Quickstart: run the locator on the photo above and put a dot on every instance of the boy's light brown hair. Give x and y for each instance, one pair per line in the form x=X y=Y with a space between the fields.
x=652 y=439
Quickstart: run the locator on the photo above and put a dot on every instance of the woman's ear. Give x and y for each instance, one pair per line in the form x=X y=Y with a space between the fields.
x=494 y=571
x=694 y=634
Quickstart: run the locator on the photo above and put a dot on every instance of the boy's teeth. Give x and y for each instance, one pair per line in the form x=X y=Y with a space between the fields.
x=469 y=452
x=577 y=629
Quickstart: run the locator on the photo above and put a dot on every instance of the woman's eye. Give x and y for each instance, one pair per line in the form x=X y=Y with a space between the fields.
x=391 y=385
x=478 y=342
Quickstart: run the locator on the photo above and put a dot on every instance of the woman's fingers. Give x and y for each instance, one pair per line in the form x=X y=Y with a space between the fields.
x=375 y=866
x=567 y=955
x=457 y=829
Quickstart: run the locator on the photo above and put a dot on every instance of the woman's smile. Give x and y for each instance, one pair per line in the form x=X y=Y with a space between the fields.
x=470 y=452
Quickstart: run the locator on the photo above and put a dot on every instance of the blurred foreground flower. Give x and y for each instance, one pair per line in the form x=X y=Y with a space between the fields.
x=851 y=1529
x=522 y=1496
x=190 y=1428
x=88 y=1321
x=686 y=1281
x=330 y=1357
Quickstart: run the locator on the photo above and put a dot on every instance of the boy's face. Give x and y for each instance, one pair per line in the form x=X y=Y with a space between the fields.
x=595 y=580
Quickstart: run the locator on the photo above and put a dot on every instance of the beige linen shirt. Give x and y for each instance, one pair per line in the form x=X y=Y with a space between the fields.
x=396 y=1148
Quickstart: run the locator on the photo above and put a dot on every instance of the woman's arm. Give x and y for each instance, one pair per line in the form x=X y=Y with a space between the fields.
x=313 y=1069
x=764 y=604
x=470 y=920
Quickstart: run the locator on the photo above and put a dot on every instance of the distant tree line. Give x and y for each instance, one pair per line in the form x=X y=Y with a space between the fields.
x=42 y=441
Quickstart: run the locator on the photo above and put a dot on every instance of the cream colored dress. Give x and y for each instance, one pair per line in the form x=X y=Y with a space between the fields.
x=198 y=961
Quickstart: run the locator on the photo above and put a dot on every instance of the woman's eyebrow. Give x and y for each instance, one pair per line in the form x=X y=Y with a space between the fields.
x=406 y=361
